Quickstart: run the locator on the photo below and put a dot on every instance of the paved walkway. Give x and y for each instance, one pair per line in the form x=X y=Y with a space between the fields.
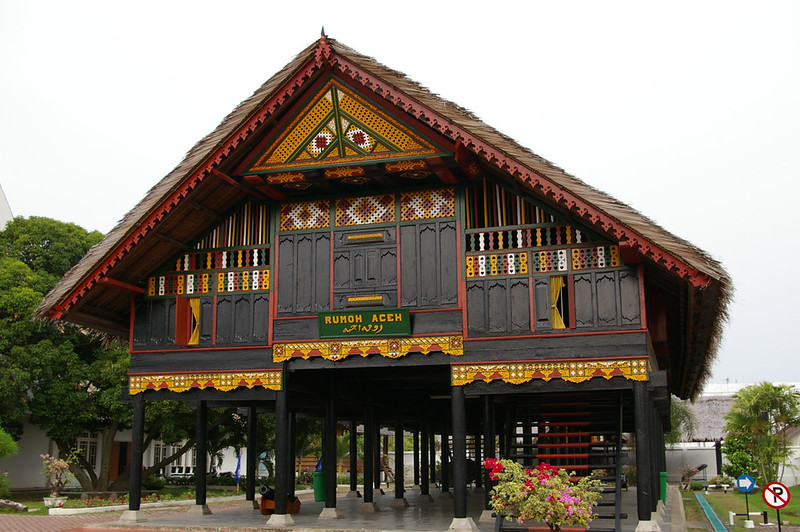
x=418 y=516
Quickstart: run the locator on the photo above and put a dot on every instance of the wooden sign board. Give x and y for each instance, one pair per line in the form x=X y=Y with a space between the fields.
x=364 y=323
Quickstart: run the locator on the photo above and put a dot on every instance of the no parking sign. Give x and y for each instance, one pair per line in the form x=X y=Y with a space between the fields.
x=776 y=495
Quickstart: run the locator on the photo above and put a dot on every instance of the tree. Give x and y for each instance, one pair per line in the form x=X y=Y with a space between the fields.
x=66 y=379
x=740 y=461
x=682 y=421
x=758 y=423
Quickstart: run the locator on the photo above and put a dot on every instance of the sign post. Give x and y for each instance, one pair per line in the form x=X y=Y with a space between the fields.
x=776 y=495
x=746 y=484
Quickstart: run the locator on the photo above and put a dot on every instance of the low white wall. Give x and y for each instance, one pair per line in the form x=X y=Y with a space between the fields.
x=693 y=455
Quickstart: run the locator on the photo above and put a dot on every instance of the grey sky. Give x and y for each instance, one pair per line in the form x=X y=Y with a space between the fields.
x=688 y=111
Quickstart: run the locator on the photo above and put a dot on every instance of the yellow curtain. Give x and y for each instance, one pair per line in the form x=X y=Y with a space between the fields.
x=194 y=304
x=556 y=284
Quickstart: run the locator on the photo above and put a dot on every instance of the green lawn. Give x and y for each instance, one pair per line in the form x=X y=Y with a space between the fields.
x=694 y=514
x=735 y=502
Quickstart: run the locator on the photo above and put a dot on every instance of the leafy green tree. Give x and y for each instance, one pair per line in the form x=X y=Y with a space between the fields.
x=46 y=245
x=759 y=422
x=682 y=421
x=64 y=378
x=740 y=461
x=8 y=447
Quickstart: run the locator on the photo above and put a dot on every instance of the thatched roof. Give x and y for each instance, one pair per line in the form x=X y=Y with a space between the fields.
x=710 y=412
x=182 y=205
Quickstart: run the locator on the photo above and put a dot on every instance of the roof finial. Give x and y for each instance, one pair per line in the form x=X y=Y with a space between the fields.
x=322 y=33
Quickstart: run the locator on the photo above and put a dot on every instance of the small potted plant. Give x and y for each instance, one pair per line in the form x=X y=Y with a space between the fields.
x=544 y=494
x=56 y=471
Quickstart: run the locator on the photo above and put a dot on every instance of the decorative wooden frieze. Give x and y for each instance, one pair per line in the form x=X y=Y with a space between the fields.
x=636 y=369
x=223 y=381
x=427 y=204
x=305 y=215
x=364 y=210
x=497 y=264
x=389 y=348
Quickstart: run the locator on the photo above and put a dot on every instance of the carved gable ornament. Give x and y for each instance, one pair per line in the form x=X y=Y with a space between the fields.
x=338 y=127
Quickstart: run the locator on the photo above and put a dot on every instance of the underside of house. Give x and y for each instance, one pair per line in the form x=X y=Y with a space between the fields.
x=347 y=245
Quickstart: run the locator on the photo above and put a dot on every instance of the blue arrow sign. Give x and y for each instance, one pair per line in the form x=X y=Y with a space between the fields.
x=745 y=483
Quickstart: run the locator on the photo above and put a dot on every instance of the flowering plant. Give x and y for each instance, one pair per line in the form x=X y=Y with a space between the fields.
x=56 y=470
x=545 y=494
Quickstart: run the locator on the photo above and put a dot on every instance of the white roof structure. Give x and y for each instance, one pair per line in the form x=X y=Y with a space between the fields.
x=5 y=210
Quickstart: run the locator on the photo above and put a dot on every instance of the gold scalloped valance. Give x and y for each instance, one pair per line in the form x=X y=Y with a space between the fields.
x=636 y=369
x=385 y=347
x=223 y=381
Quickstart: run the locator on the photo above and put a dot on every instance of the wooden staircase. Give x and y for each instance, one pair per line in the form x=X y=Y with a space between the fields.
x=580 y=432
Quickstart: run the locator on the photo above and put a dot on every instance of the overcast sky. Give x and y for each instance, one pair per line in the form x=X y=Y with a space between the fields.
x=687 y=111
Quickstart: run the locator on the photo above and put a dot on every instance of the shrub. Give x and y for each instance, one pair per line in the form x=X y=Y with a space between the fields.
x=722 y=479
x=545 y=494
x=153 y=482
x=8 y=447
x=696 y=485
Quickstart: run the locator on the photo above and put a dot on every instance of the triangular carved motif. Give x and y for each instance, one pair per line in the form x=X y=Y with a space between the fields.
x=338 y=126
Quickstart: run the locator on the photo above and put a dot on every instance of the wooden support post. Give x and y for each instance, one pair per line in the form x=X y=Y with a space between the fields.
x=281 y=459
x=399 y=467
x=135 y=480
x=425 y=479
x=459 y=421
x=488 y=445
x=641 y=400
x=369 y=451
x=369 y=505
x=416 y=457
x=292 y=458
x=201 y=461
x=432 y=452
x=353 y=458
x=329 y=457
x=137 y=442
x=446 y=459
x=478 y=461
x=329 y=453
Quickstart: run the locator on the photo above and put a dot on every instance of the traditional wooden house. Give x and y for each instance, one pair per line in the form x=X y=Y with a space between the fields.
x=348 y=245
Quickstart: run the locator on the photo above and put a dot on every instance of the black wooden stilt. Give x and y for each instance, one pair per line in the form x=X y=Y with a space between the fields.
x=369 y=451
x=641 y=401
x=416 y=457
x=353 y=456
x=459 y=421
x=201 y=460
x=425 y=480
x=399 y=466
x=478 y=460
x=292 y=458
x=488 y=444
x=432 y=452
x=137 y=442
x=446 y=458
x=329 y=451
x=377 y=457
x=252 y=454
x=281 y=452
